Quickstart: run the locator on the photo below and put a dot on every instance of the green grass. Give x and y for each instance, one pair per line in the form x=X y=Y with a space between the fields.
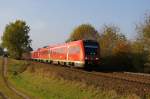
x=3 y=88
x=53 y=88
x=17 y=66
x=41 y=87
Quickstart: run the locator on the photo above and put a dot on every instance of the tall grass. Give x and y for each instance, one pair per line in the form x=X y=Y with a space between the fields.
x=52 y=88
x=17 y=66
x=39 y=86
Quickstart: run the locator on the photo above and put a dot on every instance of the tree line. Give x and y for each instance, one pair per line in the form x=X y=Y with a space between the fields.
x=117 y=52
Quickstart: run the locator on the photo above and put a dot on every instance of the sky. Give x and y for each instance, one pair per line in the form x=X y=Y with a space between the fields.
x=52 y=21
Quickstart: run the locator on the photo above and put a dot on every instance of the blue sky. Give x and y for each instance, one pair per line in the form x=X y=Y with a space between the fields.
x=52 y=21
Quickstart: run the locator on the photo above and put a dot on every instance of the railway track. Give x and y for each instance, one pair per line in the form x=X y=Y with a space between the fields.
x=139 y=84
x=127 y=76
x=119 y=75
x=129 y=79
x=141 y=74
x=122 y=76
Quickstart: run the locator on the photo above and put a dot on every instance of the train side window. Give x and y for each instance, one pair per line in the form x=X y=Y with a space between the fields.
x=74 y=50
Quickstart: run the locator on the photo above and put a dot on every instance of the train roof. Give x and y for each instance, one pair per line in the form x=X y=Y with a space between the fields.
x=63 y=44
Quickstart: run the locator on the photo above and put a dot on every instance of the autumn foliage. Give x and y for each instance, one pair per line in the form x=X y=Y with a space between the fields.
x=84 y=31
x=117 y=52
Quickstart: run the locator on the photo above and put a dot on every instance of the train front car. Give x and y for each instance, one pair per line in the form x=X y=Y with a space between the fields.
x=83 y=53
x=92 y=52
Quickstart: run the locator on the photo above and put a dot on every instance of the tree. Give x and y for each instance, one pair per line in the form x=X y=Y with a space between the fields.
x=121 y=47
x=110 y=35
x=84 y=31
x=1 y=51
x=115 y=48
x=143 y=30
x=16 y=38
x=122 y=54
x=138 y=55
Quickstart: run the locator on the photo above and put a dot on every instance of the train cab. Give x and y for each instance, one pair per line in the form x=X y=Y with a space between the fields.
x=92 y=52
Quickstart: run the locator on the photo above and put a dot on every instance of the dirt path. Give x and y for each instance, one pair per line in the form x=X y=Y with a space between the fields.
x=4 y=75
x=2 y=96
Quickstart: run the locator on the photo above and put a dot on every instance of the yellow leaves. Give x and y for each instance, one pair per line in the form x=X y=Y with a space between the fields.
x=84 y=31
x=112 y=41
x=121 y=47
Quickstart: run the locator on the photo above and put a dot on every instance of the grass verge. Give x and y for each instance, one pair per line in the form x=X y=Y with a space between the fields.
x=51 y=87
x=3 y=87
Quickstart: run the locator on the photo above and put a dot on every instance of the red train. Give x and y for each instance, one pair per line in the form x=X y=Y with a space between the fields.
x=77 y=53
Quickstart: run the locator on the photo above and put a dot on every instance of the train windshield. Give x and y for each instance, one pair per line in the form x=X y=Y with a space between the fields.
x=91 y=48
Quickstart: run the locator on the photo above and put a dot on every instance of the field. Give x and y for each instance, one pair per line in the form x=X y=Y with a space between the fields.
x=4 y=90
x=42 y=81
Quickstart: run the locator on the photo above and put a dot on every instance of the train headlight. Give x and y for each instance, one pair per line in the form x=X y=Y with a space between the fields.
x=97 y=58
x=86 y=58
